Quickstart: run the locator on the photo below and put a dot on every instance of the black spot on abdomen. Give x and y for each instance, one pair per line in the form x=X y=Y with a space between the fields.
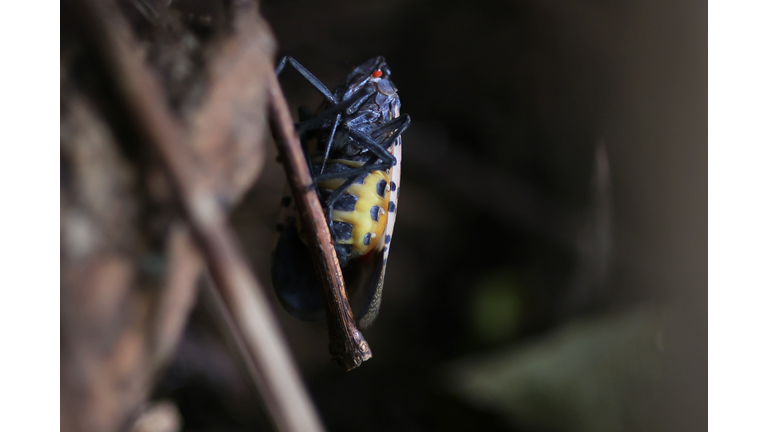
x=375 y=210
x=341 y=230
x=381 y=188
x=346 y=202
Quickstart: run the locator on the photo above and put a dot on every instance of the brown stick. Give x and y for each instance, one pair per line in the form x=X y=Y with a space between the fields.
x=278 y=379
x=178 y=296
x=347 y=345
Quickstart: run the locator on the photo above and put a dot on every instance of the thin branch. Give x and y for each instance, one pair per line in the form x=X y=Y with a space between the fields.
x=347 y=345
x=146 y=106
x=178 y=296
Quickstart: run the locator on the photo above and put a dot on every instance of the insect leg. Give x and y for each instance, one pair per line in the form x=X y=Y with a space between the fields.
x=330 y=141
x=316 y=83
x=352 y=176
x=331 y=200
x=379 y=149
x=322 y=120
x=400 y=125
x=368 y=167
x=366 y=141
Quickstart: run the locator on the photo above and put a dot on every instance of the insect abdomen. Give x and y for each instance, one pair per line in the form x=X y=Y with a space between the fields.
x=359 y=216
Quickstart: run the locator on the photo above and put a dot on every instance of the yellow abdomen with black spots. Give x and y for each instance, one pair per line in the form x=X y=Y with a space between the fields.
x=359 y=217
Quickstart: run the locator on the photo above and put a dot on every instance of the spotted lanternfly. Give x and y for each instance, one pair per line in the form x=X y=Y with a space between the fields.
x=353 y=148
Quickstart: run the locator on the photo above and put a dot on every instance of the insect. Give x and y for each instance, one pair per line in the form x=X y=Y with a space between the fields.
x=353 y=148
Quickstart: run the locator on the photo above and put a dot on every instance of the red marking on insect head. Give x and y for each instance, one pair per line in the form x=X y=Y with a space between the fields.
x=377 y=74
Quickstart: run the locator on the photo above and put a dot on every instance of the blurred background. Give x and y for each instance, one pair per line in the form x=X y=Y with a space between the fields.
x=548 y=266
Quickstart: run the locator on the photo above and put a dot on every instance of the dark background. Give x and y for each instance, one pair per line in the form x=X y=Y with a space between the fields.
x=549 y=260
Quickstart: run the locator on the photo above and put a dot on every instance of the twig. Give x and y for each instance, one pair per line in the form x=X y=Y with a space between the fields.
x=278 y=379
x=347 y=345
x=178 y=296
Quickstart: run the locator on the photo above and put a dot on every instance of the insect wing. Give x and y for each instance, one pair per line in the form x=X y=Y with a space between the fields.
x=374 y=268
x=293 y=273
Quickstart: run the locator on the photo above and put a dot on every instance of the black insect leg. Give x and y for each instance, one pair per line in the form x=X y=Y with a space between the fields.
x=377 y=149
x=371 y=165
x=322 y=120
x=331 y=200
x=316 y=83
x=366 y=141
x=330 y=141
x=400 y=124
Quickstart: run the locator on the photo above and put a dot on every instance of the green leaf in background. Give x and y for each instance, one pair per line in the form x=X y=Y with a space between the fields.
x=598 y=375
